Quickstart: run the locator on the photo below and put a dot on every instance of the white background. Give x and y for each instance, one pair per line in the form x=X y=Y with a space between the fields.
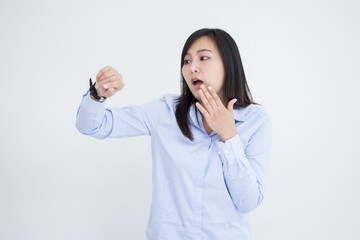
x=301 y=59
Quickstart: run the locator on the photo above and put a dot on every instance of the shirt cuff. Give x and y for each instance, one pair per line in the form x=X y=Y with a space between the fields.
x=90 y=105
x=232 y=151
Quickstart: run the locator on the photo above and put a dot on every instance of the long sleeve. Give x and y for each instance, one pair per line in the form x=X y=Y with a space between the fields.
x=245 y=170
x=99 y=122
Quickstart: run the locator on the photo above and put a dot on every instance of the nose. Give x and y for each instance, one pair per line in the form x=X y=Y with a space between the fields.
x=194 y=68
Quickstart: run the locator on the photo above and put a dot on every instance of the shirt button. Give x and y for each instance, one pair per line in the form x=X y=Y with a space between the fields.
x=219 y=153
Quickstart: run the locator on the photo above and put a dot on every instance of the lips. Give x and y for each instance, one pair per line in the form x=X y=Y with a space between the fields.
x=196 y=81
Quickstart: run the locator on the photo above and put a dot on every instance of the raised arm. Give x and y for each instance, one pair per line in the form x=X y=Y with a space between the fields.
x=95 y=120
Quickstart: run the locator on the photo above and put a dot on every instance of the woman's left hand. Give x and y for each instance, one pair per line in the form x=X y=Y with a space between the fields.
x=219 y=118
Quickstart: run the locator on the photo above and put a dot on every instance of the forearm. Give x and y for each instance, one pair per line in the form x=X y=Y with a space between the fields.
x=244 y=181
x=243 y=186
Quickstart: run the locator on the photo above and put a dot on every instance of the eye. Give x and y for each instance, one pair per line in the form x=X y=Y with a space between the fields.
x=204 y=58
x=186 y=62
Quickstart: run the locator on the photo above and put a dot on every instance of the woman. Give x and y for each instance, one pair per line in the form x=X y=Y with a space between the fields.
x=210 y=145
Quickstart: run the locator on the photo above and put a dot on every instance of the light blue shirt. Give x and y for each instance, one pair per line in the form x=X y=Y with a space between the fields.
x=202 y=189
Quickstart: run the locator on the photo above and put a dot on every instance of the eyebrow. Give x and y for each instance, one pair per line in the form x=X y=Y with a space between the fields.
x=200 y=50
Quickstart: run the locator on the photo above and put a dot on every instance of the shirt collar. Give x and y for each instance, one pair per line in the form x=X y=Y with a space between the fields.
x=193 y=111
x=239 y=114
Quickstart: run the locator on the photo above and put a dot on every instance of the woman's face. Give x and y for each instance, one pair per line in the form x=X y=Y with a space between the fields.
x=203 y=62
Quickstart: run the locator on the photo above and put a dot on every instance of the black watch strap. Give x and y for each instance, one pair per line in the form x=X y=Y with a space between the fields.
x=93 y=92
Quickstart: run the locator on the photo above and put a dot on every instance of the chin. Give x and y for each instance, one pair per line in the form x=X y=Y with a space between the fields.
x=196 y=96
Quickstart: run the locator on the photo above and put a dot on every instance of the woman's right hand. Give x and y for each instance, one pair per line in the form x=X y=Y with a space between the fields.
x=108 y=82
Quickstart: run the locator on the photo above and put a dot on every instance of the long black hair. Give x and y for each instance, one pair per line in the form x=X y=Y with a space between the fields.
x=235 y=85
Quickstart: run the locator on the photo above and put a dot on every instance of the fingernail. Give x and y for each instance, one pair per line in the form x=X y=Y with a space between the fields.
x=105 y=86
x=210 y=88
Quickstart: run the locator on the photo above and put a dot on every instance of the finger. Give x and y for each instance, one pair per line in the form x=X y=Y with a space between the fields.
x=231 y=105
x=202 y=110
x=113 y=82
x=107 y=81
x=111 y=78
x=209 y=97
x=101 y=86
x=215 y=96
x=110 y=91
x=107 y=92
x=109 y=85
x=103 y=70
x=100 y=72
x=108 y=74
x=205 y=102
x=101 y=92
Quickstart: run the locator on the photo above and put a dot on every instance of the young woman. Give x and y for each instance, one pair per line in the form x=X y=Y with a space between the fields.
x=210 y=145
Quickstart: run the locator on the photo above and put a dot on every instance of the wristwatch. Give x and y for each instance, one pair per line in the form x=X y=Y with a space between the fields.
x=93 y=93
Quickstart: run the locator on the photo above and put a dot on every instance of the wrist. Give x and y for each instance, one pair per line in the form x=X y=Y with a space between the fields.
x=92 y=97
x=229 y=135
x=93 y=93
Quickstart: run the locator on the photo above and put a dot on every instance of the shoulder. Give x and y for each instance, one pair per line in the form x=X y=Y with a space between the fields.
x=170 y=100
x=260 y=119
x=252 y=113
x=258 y=111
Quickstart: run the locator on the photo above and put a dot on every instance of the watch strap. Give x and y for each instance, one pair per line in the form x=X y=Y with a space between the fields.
x=94 y=94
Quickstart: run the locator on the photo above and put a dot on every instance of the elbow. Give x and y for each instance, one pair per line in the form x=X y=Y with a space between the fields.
x=95 y=132
x=80 y=123
x=81 y=128
x=84 y=126
x=91 y=125
x=249 y=203
x=245 y=208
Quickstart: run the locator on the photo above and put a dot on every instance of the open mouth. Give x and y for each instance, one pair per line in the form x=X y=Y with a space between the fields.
x=196 y=82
